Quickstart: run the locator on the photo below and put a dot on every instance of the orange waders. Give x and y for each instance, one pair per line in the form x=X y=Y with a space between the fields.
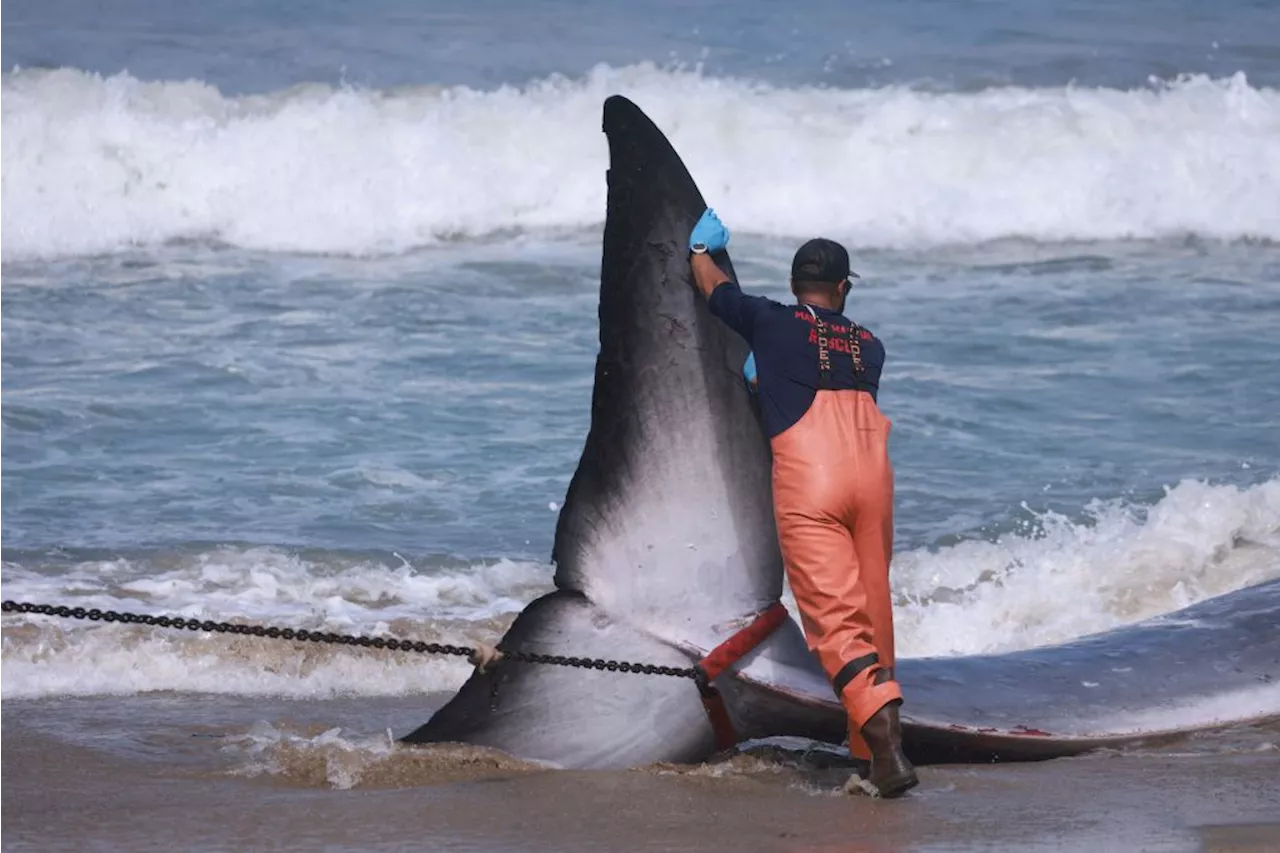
x=833 y=503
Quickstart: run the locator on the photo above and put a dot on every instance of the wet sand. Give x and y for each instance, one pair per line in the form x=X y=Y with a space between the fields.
x=133 y=774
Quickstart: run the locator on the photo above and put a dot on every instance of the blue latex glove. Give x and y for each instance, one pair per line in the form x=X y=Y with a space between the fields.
x=749 y=371
x=710 y=230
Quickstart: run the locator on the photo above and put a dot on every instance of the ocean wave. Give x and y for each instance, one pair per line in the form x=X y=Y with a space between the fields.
x=1062 y=579
x=97 y=164
x=1065 y=578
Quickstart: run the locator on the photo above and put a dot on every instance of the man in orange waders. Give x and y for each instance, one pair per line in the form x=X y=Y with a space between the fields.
x=817 y=378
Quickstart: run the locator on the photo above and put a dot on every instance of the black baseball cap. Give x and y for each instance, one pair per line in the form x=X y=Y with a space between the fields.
x=821 y=260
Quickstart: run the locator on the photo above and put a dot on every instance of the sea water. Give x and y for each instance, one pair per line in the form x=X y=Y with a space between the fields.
x=299 y=306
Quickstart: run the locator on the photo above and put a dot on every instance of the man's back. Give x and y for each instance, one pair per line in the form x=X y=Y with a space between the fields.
x=784 y=339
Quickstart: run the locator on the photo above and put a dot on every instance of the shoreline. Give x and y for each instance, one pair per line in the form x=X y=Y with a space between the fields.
x=165 y=783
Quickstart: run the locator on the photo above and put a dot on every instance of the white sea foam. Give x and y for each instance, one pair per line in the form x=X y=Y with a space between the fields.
x=339 y=760
x=94 y=164
x=45 y=656
x=1065 y=579
x=1059 y=580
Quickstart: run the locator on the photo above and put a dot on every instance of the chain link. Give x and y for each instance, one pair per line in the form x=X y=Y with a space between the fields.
x=96 y=615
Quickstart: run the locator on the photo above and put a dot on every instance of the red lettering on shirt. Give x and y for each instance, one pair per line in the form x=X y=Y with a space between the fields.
x=834 y=330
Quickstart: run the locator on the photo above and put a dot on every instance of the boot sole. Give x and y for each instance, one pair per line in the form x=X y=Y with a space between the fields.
x=896 y=786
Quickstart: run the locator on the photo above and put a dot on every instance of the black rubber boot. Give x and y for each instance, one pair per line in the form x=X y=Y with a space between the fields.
x=891 y=774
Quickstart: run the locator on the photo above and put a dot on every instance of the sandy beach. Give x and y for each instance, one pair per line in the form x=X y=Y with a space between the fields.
x=156 y=772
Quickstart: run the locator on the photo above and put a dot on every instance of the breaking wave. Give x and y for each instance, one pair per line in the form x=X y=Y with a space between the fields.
x=1059 y=579
x=93 y=164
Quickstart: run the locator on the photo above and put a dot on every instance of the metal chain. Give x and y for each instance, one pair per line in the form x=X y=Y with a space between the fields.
x=275 y=633
x=611 y=665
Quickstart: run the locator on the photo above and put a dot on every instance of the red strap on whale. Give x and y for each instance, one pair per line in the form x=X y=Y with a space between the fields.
x=725 y=655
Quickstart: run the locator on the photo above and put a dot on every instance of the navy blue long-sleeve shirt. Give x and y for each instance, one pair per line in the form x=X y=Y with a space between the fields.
x=784 y=339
